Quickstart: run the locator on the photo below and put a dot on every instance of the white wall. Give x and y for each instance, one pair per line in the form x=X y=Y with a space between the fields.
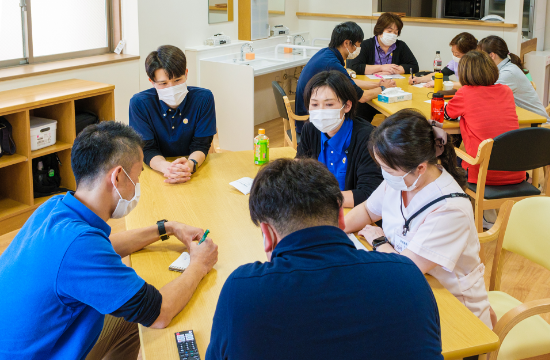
x=123 y=75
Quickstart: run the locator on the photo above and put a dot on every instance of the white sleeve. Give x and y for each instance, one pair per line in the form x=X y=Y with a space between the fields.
x=443 y=237
x=376 y=199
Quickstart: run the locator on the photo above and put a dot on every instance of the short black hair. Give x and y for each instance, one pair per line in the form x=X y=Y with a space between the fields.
x=167 y=57
x=101 y=147
x=346 y=31
x=294 y=194
x=337 y=82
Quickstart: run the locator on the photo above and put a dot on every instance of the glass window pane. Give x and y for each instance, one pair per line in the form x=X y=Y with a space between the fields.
x=11 y=37
x=62 y=26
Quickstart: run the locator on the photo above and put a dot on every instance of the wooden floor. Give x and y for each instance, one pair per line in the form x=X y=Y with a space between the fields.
x=521 y=278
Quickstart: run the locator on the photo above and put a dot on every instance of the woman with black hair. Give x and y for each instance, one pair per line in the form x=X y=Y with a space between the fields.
x=510 y=68
x=426 y=215
x=337 y=138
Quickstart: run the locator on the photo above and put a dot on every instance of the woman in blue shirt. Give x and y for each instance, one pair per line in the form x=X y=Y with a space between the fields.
x=337 y=138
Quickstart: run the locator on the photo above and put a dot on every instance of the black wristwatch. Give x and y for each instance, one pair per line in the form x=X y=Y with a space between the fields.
x=162 y=230
x=379 y=241
x=194 y=166
x=383 y=88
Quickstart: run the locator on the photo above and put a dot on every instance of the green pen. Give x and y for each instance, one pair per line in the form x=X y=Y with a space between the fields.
x=204 y=236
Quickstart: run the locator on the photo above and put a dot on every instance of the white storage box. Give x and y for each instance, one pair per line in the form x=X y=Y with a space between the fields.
x=42 y=132
x=392 y=95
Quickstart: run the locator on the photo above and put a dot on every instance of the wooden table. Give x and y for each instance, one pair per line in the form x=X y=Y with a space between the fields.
x=208 y=201
x=420 y=95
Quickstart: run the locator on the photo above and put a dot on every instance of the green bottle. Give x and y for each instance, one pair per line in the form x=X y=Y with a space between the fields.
x=261 y=148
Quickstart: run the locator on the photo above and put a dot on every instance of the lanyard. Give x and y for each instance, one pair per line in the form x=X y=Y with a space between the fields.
x=406 y=227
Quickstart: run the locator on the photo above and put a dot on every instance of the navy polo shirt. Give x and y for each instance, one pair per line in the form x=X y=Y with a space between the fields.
x=59 y=277
x=333 y=152
x=173 y=129
x=321 y=298
x=324 y=60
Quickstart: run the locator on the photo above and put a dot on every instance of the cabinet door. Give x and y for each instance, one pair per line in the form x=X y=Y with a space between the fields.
x=396 y=6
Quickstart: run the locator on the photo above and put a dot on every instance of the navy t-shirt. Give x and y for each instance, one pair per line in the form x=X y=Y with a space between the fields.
x=325 y=60
x=59 y=277
x=321 y=298
x=173 y=129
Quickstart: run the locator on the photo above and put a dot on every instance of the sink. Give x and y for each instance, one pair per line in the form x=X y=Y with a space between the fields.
x=256 y=63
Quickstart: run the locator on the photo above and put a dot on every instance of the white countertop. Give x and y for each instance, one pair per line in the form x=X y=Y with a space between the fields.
x=266 y=60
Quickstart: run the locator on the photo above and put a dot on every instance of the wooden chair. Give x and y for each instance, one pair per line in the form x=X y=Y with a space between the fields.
x=289 y=118
x=521 y=228
x=516 y=150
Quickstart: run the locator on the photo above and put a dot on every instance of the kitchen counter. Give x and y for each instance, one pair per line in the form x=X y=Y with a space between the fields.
x=415 y=19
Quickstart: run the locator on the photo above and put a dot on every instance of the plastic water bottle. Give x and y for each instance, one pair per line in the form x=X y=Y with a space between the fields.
x=261 y=148
x=438 y=107
x=437 y=62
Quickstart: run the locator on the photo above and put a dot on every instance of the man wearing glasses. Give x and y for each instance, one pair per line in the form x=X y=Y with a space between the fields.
x=174 y=120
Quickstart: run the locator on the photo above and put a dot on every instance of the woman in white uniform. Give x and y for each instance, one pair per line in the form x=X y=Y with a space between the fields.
x=426 y=215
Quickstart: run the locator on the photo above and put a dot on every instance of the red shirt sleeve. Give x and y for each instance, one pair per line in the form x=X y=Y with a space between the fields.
x=455 y=107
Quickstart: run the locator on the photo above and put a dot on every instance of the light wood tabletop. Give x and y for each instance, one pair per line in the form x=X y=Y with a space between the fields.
x=420 y=95
x=208 y=201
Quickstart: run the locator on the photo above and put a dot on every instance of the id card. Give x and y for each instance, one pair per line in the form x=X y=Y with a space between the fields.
x=400 y=242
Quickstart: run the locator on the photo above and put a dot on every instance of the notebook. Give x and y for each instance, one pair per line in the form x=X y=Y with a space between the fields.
x=181 y=263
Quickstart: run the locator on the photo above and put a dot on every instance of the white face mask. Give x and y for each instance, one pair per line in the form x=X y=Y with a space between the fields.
x=388 y=38
x=173 y=95
x=354 y=54
x=456 y=59
x=326 y=120
x=398 y=182
x=124 y=206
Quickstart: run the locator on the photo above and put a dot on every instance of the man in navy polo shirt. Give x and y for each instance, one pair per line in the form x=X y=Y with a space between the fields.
x=174 y=120
x=318 y=297
x=345 y=43
x=62 y=273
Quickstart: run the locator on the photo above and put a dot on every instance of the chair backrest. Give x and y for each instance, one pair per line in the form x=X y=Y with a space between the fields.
x=528 y=231
x=279 y=94
x=521 y=150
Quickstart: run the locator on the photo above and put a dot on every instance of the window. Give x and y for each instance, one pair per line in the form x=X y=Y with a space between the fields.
x=33 y=31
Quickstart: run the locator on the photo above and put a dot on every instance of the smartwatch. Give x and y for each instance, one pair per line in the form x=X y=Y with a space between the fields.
x=194 y=166
x=162 y=230
x=379 y=241
x=383 y=88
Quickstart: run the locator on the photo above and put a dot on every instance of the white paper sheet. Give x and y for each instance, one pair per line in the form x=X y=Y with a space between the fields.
x=243 y=185
x=421 y=85
x=357 y=243
x=374 y=77
x=181 y=263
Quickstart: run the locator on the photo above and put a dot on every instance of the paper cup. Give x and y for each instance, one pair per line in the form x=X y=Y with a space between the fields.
x=448 y=85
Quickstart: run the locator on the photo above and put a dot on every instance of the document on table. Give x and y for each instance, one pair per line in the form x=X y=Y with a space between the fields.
x=357 y=243
x=385 y=77
x=181 y=263
x=421 y=85
x=243 y=185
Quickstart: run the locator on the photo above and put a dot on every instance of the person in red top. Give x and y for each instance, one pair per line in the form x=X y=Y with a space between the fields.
x=486 y=110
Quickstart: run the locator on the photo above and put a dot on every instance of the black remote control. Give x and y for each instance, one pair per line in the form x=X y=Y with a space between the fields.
x=187 y=346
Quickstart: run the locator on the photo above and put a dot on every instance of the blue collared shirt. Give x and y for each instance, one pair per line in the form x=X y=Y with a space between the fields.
x=380 y=57
x=173 y=129
x=325 y=60
x=59 y=277
x=320 y=298
x=334 y=152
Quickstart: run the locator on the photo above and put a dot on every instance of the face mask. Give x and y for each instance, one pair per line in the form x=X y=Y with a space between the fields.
x=124 y=206
x=398 y=182
x=354 y=54
x=455 y=59
x=173 y=95
x=326 y=120
x=388 y=38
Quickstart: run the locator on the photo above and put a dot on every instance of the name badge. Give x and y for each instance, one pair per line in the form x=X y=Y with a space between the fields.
x=401 y=242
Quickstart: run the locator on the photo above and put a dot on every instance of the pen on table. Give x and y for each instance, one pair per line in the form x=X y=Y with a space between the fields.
x=204 y=236
x=412 y=74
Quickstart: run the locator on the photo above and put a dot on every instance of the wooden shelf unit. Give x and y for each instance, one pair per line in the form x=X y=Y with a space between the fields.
x=58 y=101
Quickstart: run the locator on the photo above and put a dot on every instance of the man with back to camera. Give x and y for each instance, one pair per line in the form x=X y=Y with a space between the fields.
x=345 y=43
x=317 y=296
x=62 y=274
x=174 y=120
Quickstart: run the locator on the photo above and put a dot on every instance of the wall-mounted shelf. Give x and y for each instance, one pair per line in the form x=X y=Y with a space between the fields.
x=413 y=20
x=59 y=101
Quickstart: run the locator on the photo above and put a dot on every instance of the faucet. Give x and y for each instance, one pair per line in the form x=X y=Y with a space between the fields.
x=294 y=40
x=242 y=50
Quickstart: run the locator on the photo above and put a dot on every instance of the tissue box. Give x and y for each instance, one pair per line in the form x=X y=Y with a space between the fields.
x=392 y=98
